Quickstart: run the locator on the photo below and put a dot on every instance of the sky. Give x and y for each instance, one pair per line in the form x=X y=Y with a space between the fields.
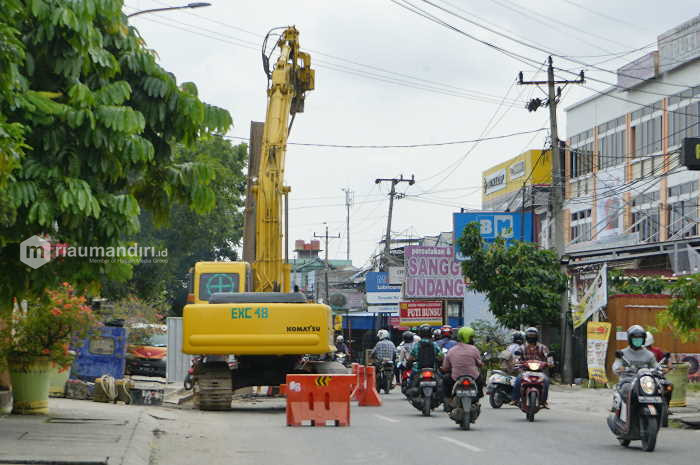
x=387 y=76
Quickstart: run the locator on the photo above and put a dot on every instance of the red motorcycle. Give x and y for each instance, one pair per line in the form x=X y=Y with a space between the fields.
x=532 y=387
x=405 y=380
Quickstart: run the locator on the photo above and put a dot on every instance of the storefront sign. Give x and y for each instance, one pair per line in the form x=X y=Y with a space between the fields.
x=495 y=182
x=595 y=299
x=598 y=336
x=509 y=226
x=396 y=274
x=432 y=272
x=379 y=290
x=425 y=312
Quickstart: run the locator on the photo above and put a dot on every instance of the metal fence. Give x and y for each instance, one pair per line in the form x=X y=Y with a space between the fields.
x=177 y=362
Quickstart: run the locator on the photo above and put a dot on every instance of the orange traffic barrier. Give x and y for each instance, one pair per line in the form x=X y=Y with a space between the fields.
x=369 y=397
x=318 y=400
x=356 y=386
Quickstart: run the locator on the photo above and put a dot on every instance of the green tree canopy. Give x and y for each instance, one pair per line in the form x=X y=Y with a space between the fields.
x=683 y=313
x=190 y=237
x=522 y=282
x=88 y=119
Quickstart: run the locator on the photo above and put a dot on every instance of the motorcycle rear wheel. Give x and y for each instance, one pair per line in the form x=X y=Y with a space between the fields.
x=466 y=420
x=387 y=385
x=495 y=400
x=426 y=406
x=532 y=401
x=187 y=384
x=649 y=428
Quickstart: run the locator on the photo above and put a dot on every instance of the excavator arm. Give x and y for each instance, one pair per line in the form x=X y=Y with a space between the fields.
x=289 y=81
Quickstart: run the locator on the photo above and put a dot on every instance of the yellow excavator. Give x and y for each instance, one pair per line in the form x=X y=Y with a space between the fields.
x=246 y=309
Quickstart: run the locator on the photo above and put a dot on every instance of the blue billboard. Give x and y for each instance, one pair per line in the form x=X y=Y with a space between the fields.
x=494 y=224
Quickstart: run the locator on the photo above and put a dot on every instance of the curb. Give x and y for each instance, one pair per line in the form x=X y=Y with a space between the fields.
x=139 y=446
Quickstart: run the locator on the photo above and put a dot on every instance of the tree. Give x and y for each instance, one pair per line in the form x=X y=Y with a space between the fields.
x=683 y=314
x=190 y=237
x=92 y=118
x=621 y=284
x=522 y=282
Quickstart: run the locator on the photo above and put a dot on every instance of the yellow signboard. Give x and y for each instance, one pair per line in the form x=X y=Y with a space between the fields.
x=598 y=335
x=338 y=322
x=509 y=176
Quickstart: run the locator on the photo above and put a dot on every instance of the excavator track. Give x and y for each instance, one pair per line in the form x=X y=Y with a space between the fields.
x=213 y=387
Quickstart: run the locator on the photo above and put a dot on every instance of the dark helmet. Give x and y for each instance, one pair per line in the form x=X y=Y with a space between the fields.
x=424 y=331
x=636 y=337
x=407 y=337
x=446 y=331
x=532 y=335
x=518 y=338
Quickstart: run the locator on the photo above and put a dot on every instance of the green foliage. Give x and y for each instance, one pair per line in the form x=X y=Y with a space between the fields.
x=88 y=119
x=683 y=315
x=491 y=338
x=190 y=237
x=618 y=283
x=522 y=282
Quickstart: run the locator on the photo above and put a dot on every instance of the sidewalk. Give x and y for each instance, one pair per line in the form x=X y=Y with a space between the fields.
x=598 y=401
x=79 y=432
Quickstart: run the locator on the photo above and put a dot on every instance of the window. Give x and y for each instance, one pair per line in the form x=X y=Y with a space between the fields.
x=581 y=226
x=612 y=150
x=100 y=345
x=210 y=283
x=645 y=216
x=683 y=218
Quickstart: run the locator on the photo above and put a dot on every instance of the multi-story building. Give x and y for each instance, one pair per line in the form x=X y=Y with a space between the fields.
x=626 y=194
x=520 y=184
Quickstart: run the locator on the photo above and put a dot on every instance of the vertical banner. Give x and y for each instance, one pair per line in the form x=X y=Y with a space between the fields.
x=598 y=336
x=596 y=298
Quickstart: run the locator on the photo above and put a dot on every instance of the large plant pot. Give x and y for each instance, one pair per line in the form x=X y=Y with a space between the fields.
x=679 y=377
x=57 y=380
x=30 y=385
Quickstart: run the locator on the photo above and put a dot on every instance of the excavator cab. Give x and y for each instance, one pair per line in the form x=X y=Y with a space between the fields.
x=208 y=278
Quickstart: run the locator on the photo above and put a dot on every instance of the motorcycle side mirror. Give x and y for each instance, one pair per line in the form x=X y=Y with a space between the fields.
x=618 y=354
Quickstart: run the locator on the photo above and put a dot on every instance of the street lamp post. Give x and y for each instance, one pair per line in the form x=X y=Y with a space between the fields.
x=153 y=10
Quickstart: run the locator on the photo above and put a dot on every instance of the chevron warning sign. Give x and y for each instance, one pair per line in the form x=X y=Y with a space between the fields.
x=323 y=380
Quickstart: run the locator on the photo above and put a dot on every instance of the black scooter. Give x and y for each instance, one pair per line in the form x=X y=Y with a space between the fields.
x=639 y=415
x=464 y=403
x=426 y=393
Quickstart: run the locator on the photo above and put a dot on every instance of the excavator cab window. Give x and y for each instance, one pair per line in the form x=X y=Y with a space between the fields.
x=211 y=283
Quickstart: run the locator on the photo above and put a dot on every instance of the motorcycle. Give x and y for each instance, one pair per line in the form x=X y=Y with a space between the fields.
x=405 y=380
x=188 y=383
x=532 y=387
x=667 y=390
x=427 y=393
x=465 y=402
x=384 y=375
x=638 y=415
x=500 y=388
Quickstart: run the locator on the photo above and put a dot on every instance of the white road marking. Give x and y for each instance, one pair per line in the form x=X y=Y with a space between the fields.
x=461 y=444
x=390 y=420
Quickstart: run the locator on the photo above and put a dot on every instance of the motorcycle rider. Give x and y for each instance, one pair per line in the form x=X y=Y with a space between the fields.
x=425 y=354
x=437 y=334
x=637 y=356
x=462 y=359
x=517 y=341
x=384 y=349
x=446 y=341
x=507 y=357
x=341 y=346
x=533 y=350
x=403 y=351
x=649 y=345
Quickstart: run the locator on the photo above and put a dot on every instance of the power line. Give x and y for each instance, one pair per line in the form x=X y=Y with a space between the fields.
x=406 y=146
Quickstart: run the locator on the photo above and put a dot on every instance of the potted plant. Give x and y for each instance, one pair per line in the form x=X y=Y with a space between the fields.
x=32 y=339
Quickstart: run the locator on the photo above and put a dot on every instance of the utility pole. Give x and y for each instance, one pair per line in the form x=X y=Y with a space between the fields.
x=557 y=203
x=392 y=194
x=348 y=203
x=326 y=236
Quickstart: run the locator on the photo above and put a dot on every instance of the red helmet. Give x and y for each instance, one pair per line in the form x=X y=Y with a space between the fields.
x=446 y=331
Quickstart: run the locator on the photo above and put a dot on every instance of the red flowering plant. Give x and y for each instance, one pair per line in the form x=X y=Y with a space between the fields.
x=47 y=327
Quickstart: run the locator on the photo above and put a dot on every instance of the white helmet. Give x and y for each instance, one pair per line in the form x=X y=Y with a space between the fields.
x=416 y=338
x=339 y=338
x=383 y=334
x=649 y=341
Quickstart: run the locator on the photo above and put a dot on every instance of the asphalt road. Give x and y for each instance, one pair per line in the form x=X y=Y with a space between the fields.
x=396 y=433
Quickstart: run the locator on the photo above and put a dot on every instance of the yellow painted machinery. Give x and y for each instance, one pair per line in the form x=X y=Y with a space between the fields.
x=270 y=329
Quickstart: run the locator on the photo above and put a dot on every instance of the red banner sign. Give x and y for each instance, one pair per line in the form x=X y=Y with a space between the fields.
x=421 y=312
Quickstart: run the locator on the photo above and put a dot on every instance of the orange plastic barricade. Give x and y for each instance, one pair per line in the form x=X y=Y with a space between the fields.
x=357 y=384
x=318 y=400
x=369 y=397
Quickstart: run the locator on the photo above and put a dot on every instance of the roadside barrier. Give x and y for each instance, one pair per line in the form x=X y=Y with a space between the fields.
x=357 y=385
x=318 y=400
x=369 y=397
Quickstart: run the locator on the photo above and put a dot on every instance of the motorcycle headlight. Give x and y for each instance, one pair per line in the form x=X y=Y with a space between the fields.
x=534 y=366
x=647 y=384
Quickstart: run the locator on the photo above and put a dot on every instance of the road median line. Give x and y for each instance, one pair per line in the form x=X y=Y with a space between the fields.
x=382 y=417
x=461 y=444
